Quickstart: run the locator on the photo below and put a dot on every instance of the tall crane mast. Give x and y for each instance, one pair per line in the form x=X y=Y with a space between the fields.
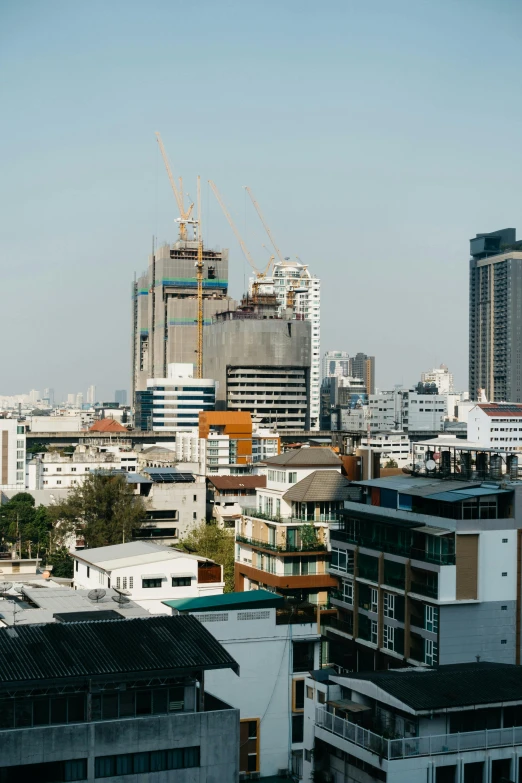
x=185 y=215
x=263 y=221
x=199 y=278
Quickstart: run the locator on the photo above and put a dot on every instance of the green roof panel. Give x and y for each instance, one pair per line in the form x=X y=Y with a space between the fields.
x=251 y=599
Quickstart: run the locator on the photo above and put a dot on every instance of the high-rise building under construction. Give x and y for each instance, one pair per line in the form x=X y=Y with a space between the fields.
x=165 y=307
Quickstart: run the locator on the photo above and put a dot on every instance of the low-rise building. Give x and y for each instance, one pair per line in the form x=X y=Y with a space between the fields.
x=496 y=425
x=12 y=454
x=275 y=644
x=455 y=724
x=148 y=573
x=175 y=503
x=173 y=404
x=118 y=700
x=228 y=495
x=391 y=446
x=55 y=469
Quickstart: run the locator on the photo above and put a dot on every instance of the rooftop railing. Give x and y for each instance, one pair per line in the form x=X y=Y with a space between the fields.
x=407 y=747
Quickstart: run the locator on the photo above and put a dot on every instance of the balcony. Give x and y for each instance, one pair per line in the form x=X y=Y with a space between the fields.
x=296 y=615
x=286 y=547
x=409 y=747
x=209 y=573
x=423 y=588
x=403 y=549
x=329 y=623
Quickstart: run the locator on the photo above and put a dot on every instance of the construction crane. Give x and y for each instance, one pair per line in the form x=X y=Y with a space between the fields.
x=199 y=278
x=185 y=215
x=239 y=238
x=265 y=226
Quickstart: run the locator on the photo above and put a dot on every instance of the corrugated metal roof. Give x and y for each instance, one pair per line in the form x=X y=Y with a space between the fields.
x=454 y=685
x=320 y=485
x=133 y=553
x=57 y=651
x=251 y=599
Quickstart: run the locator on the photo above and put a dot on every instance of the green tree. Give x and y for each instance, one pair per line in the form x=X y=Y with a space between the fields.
x=37 y=448
x=104 y=508
x=391 y=464
x=308 y=535
x=62 y=563
x=21 y=521
x=209 y=540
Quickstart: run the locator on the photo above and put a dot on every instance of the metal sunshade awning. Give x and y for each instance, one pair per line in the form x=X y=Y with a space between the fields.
x=153 y=576
x=347 y=705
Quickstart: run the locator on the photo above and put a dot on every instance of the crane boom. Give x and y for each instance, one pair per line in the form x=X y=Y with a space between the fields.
x=258 y=210
x=185 y=215
x=234 y=228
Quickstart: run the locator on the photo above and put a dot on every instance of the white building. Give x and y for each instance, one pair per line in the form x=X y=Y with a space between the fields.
x=390 y=446
x=56 y=470
x=458 y=724
x=178 y=399
x=496 y=425
x=265 y=444
x=275 y=645
x=91 y=395
x=148 y=573
x=336 y=364
x=441 y=377
x=299 y=291
x=12 y=454
x=394 y=410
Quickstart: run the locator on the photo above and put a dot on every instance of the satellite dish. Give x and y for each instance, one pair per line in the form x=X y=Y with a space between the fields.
x=121 y=600
x=5 y=586
x=19 y=588
x=96 y=595
x=431 y=464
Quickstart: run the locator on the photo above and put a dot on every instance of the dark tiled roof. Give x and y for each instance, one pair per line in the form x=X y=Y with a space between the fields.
x=237 y=482
x=306 y=457
x=141 y=646
x=321 y=485
x=454 y=685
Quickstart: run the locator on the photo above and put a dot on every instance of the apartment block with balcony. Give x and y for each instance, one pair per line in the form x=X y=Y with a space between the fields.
x=459 y=723
x=427 y=571
x=282 y=542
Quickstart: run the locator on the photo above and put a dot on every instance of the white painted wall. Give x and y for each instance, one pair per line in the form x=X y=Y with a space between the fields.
x=497 y=555
x=448 y=583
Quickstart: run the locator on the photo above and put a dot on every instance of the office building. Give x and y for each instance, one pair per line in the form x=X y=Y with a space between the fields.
x=12 y=454
x=441 y=377
x=400 y=409
x=454 y=724
x=336 y=364
x=91 y=395
x=362 y=366
x=164 y=308
x=427 y=563
x=173 y=403
x=261 y=361
x=496 y=426
x=114 y=700
x=495 y=316
x=275 y=644
x=120 y=396
x=147 y=572
x=48 y=397
x=227 y=442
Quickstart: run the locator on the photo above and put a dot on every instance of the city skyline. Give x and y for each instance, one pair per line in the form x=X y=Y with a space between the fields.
x=410 y=197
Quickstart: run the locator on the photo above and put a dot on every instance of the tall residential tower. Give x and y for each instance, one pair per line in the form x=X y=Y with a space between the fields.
x=495 y=316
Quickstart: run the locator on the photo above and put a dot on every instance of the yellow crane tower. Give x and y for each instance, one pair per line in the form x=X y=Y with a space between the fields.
x=246 y=252
x=185 y=215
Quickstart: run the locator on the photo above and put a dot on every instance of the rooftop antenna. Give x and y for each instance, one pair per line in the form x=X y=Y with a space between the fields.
x=5 y=587
x=96 y=595
x=121 y=600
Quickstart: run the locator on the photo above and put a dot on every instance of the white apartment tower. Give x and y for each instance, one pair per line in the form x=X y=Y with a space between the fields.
x=300 y=291
x=91 y=395
x=336 y=364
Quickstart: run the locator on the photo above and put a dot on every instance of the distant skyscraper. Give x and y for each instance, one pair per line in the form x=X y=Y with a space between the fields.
x=495 y=316
x=91 y=395
x=49 y=396
x=71 y=399
x=120 y=396
x=362 y=366
x=79 y=400
x=34 y=396
x=336 y=364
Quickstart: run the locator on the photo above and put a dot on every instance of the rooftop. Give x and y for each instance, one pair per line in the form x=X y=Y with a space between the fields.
x=306 y=457
x=321 y=485
x=501 y=408
x=237 y=482
x=107 y=425
x=450 y=686
x=133 y=553
x=81 y=650
x=251 y=599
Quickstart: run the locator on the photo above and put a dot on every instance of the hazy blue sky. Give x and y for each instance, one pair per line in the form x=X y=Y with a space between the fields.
x=377 y=135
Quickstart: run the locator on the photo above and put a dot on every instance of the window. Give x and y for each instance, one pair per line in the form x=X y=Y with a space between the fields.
x=141 y=763
x=195 y=498
x=131 y=582
x=342 y=560
x=374 y=606
x=73 y=470
x=58 y=470
x=388 y=638
x=503 y=608
x=181 y=581
x=20 y=430
x=373 y=632
x=194 y=515
x=118 y=583
x=76 y=565
x=389 y=605
x=151 y=582
x=431 y=618
x=55 y=771
x=20 y=444
x=309 y=692
x=321 y=697
x=298 y=695
x=430 y=652
x=297 y=728
x=303 y=656
x=348 y=591
x=292 y=477
x=20 y=454
x=124 y=580
x=88 y=572
x=503 y=641
x=20 y=465
x=504 y=540
x=504 y=573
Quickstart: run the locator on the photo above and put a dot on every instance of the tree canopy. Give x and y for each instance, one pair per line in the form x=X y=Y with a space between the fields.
x=104 y=508
x=20 y=520
x=209 y=540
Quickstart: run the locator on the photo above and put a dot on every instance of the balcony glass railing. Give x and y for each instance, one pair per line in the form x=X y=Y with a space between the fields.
x=299 y=520
x=286 y=547
x=422 y=588
x=417 y=746
x=402 y=549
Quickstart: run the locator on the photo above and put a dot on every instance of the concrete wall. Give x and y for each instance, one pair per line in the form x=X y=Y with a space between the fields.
x=468 y=630
x=217 y=734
